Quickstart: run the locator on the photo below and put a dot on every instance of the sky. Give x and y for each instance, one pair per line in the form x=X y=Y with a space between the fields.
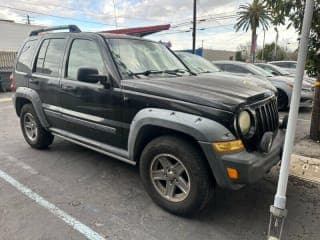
x=216 y=19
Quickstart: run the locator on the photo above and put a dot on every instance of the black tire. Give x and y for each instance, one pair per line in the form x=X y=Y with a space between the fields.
x=201 y=182
x=282 y=100
x=43 y=138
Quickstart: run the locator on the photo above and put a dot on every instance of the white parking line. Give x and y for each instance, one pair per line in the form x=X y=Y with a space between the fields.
x=5 y=99
x=305 y=120
x=6 y=107
x=72 y=222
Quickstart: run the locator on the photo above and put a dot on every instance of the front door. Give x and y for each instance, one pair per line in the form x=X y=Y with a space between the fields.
x=88 y=108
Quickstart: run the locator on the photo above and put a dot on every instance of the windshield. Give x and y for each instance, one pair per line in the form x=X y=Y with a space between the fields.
x=271 y=69
x=258 y=71
x=138 y=58
x=197 y=64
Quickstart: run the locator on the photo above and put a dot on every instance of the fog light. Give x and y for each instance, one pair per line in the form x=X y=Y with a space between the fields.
x=232 y=173
x=266 y=142
x=228 y=146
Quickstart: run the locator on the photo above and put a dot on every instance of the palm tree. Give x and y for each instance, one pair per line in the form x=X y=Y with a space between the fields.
x=252 y=16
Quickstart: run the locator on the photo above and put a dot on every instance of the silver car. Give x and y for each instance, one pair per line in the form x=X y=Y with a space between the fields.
x=290 y=67
x=202 y=66
x=284 y=84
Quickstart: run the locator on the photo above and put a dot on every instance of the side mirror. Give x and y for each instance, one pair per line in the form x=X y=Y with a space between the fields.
x=91 y=75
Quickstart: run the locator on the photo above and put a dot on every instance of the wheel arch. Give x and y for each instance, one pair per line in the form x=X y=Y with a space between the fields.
x=151 y=123
x=24 y=96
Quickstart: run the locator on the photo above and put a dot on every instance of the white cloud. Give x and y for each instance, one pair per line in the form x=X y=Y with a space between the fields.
x=151 y=12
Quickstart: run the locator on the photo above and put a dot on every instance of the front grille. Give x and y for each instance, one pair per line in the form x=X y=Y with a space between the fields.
x=267 y=118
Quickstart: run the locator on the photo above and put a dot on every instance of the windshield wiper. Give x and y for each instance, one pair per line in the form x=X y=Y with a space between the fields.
x=175 y=71
x=146 y=73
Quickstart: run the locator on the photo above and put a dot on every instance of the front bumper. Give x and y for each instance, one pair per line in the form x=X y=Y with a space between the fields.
x=251 y=166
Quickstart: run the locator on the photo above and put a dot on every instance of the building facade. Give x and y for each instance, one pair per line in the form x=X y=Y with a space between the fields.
x=12 y=36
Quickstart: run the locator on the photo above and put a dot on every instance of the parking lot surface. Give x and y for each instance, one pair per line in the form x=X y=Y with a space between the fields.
x=107 y=197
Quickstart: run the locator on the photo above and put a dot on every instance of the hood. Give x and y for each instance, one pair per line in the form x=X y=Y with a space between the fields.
x=222 y=91
x=248 y=78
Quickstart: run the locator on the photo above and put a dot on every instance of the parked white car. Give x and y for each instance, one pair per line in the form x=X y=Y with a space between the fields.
x=291 y=66
x=284 y=84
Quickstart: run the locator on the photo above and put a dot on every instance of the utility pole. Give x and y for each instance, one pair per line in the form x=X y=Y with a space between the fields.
x=263 y=45
x=276 y=44
x=278 y=211
x=115 y=14
x=194 y=29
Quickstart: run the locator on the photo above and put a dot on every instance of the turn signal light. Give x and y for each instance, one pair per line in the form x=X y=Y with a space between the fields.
x=232 y=173
x=228 y=146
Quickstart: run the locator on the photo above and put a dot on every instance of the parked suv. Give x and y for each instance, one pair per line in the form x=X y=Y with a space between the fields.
x=134 y=100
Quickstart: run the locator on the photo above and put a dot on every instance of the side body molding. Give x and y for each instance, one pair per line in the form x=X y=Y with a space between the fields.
x=33 y=97
x=200 y=128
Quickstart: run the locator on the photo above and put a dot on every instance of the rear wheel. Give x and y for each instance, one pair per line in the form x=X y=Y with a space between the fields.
x=34 y=134
x=175 y=175
x=282 y=100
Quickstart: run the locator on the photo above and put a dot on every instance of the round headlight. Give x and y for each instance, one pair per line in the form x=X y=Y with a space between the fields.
x=244 y=121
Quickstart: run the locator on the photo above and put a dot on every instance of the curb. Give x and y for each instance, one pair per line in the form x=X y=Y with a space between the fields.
x=306 y=168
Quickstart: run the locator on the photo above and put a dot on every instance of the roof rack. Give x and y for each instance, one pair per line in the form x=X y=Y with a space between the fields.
x=72 y=28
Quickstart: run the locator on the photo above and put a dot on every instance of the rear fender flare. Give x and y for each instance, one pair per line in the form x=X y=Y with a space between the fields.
x=33 y=97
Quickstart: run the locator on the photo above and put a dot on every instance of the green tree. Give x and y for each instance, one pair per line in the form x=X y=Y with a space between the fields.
x=252 y=15
x=294 y=11
x=268 y=53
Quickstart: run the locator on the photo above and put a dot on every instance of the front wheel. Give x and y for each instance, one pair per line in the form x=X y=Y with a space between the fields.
x=175 y=175
x=34 y=134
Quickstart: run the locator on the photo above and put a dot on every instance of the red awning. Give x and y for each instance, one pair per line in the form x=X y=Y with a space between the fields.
x=139 y=31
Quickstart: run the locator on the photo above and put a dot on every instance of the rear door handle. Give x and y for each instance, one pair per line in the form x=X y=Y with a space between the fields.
x=68 y=87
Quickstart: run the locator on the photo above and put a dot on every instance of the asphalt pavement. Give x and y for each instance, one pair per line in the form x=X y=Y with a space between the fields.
x=69 y=192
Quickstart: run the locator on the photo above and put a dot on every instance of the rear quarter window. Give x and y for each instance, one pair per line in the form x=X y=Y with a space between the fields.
x=50 y=56
x=25 y=57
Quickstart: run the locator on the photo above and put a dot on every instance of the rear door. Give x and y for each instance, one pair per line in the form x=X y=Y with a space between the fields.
x=23 y=66
x=88 y=108
x=45 y=78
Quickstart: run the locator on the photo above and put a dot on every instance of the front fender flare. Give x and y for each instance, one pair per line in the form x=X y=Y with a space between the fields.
x=200 y=128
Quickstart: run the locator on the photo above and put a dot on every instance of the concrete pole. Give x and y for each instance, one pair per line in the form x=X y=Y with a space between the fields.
x=278 y=210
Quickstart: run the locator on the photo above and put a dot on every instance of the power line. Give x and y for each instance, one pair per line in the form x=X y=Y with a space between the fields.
x=94 y=13
x=189 y=30
x=57 y=16
x=203 y=19
x=218 y=15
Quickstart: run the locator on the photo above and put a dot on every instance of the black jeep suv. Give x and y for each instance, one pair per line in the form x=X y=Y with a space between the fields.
x=134 y=100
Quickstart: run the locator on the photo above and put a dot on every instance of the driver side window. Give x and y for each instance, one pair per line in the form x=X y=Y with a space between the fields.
x=83 y=53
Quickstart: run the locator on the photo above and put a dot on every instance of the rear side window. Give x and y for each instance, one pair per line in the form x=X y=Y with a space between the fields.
x=281 y=64
x=235 y=69
x=49 y=57
x=84 y=53
x=25 y=58
x=219 y=65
